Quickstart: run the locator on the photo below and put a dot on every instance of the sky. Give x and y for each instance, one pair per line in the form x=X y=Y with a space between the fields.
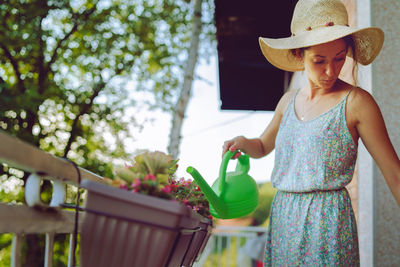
x=205 y=129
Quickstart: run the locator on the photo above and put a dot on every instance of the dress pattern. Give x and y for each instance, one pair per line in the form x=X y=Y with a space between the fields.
x=312 y=221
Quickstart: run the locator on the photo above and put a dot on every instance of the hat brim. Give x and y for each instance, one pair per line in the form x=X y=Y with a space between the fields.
x=367 y=44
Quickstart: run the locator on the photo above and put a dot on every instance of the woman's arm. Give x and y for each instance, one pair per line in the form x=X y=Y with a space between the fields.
x=259 y=147
x=372 y=131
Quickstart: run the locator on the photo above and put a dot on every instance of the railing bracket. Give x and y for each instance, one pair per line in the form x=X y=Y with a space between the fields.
x=32 y=192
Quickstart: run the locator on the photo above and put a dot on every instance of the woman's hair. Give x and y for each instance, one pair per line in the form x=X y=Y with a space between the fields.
x=350 y=44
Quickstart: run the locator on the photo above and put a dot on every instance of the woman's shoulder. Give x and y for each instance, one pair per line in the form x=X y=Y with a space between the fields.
x=361 y=103
x=358 y=96
x=285 y=101
x=355 y=94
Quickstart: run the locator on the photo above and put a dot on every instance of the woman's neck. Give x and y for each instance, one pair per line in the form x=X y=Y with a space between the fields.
x=312 y=91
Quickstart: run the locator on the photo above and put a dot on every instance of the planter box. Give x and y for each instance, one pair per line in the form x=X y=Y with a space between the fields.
x=199 y=241
x=122 y=228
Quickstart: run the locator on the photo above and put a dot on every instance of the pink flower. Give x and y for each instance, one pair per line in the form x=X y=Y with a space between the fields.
x=136 y=183
x=123 y=186
x=150 y=177
x=195 y=208
x=186 y=201
x=167 y=189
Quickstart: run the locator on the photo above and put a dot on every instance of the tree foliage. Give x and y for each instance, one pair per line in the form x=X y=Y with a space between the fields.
x=71 y=73
x=70 y=69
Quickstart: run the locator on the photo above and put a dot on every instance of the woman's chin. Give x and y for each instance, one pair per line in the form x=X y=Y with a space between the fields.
x=327 y=84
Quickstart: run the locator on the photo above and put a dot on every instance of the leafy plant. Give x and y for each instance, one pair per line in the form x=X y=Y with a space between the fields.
x=153 y=174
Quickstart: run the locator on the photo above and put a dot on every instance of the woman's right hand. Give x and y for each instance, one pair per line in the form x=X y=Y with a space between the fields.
x=234 y=144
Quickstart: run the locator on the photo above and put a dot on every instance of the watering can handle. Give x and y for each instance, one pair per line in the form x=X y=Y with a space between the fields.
x=224 y=165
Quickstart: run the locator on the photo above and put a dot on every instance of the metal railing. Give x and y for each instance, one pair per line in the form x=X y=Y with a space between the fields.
x=231 y=246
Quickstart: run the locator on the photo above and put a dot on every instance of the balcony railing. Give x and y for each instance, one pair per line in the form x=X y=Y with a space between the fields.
x=233 y=246
x=43 y=219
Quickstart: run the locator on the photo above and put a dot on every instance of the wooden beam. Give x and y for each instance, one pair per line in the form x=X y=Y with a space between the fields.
x=24 y=156
x=21 y=219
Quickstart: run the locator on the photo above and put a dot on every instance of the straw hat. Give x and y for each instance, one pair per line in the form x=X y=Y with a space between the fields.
x=316 y=22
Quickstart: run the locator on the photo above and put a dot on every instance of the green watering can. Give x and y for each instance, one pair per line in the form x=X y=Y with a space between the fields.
x=233 y=194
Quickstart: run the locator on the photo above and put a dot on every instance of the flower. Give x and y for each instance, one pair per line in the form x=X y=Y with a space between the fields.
x=187 y=192
x=150 y=177
x=153 y=173
x=167 y=189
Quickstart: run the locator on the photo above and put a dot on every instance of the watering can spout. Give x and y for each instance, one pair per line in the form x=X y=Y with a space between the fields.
x=216 y=201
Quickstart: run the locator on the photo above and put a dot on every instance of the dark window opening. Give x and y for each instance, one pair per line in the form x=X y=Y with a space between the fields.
x=247 y=81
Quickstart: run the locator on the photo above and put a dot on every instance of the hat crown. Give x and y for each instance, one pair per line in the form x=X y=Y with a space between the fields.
x=309 y=14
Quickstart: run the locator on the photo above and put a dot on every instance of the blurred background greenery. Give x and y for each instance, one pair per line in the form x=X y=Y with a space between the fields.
x=77 y=76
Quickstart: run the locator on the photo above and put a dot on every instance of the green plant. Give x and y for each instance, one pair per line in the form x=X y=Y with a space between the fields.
x=153 y=173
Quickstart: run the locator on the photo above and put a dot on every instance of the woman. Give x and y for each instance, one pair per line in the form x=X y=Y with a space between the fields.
x=315 y=131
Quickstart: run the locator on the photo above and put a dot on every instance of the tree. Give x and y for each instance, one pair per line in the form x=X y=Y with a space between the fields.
x=69 y=71
x=65 y=69
x=184 y=96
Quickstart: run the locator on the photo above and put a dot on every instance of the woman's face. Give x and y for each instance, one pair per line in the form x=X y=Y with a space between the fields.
x=324 y=62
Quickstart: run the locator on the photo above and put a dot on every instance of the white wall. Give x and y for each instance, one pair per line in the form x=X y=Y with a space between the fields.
x=379 y=216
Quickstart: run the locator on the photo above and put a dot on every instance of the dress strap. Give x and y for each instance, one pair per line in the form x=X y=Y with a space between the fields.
x=345 y=99
x=292 y=102
x=349 y=93
x=295 y=95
